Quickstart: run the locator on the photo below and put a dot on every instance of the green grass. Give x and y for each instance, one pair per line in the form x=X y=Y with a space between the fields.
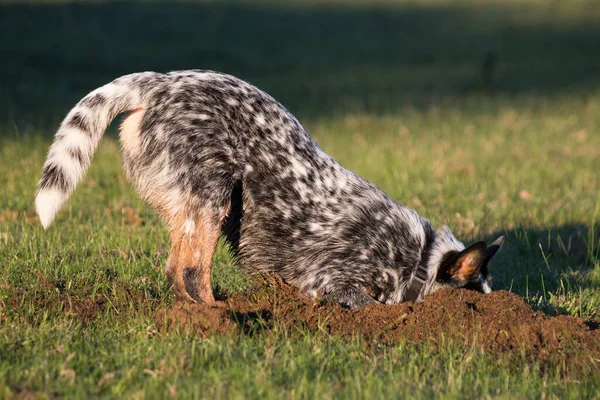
x=392 y=90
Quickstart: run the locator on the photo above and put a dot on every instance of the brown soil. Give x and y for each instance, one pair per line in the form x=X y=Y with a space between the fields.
x=499 y=323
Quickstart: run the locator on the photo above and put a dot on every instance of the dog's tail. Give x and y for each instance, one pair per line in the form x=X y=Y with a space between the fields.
x=78 y=137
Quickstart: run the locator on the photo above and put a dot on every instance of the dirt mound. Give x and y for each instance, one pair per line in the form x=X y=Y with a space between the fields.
x=498 y=323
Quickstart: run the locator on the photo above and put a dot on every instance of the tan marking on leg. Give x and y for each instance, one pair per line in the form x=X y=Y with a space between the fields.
x=194 y=240
x=130 y=132
x=199 y=250
x=175 y=266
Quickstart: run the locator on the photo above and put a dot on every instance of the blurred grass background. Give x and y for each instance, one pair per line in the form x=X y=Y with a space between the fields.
x=483 y=115
x=321 y=58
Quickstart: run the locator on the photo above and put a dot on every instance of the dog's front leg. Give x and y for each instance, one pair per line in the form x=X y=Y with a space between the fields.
x=350 y=296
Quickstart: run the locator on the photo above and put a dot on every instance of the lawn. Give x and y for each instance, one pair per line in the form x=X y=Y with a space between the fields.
x=482 y=115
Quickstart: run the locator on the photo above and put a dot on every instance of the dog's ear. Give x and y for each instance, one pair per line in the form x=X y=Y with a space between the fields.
x=493 y=249
x=466 y=265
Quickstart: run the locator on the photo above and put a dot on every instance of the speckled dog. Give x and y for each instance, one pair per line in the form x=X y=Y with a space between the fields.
x=215 y=155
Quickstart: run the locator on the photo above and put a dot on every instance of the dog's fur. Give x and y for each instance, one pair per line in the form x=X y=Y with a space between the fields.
x=215 y=155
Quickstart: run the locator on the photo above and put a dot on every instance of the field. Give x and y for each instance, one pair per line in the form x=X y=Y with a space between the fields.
x=482 y=115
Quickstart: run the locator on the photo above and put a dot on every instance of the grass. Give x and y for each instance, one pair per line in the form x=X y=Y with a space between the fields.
x=393 y=90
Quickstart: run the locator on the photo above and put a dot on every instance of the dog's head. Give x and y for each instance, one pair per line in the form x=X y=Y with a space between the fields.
x=459 y=267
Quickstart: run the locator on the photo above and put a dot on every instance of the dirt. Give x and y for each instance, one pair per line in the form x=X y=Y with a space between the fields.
x=498 y=323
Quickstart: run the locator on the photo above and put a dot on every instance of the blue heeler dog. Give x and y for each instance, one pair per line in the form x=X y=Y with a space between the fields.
x=215 y=155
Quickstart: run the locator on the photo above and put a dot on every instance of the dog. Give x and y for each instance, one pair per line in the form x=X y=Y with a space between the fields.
x=215 y=155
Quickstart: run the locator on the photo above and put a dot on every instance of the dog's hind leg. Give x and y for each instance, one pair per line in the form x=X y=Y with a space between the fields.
x=184 y=168
x=194 y=238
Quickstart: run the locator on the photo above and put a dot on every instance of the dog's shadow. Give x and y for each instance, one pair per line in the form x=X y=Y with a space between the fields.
x=537 y=261
x=252 y=323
